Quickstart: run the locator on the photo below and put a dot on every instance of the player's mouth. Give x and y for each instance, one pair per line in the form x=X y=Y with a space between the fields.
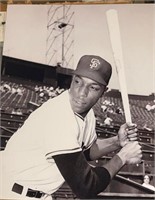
x=80 y=103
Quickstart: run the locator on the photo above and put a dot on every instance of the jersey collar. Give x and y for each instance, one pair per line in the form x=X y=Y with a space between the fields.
x=79 y=116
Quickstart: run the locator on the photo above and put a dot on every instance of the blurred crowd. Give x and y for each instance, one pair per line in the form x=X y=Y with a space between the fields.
x=109 y=108
x=13 y=89
x=47 y=92
x=150 y=106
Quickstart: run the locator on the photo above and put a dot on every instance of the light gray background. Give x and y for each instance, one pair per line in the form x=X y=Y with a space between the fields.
x=26 y=33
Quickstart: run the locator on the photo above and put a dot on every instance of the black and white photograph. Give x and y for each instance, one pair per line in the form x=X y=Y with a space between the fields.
x=77 y=101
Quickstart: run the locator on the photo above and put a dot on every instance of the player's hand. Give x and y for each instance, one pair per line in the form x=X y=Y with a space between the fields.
x=131 y=153
x=127 y=133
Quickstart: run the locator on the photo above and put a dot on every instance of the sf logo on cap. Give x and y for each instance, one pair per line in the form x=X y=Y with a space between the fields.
x=94 y=63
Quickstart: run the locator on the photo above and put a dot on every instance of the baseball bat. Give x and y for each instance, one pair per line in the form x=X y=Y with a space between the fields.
x=115 y=39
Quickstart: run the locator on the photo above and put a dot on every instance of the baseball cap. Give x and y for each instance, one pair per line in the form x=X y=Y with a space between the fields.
x=95 y=68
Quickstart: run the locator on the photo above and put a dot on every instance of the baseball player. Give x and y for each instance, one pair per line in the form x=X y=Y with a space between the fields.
x=58 y=139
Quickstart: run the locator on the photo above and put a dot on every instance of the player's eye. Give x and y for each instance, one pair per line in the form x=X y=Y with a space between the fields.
x=94 y=88
x=77 y=81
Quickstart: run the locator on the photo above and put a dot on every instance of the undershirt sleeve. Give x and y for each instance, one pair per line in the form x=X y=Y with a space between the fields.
x=84 y=180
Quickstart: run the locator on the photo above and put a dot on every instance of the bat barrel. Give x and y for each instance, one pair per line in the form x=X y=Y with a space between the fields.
x=115 y=39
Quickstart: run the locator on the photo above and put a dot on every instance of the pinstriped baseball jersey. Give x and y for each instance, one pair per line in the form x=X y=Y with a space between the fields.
x=52 y=129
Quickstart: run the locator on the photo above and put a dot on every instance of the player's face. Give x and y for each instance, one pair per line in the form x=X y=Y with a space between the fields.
x=84 y=93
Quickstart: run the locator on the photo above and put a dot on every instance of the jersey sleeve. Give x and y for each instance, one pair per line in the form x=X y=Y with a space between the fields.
x=61 y=135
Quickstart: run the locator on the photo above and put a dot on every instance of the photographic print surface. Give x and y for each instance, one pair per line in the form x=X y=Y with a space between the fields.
x=41 y=49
